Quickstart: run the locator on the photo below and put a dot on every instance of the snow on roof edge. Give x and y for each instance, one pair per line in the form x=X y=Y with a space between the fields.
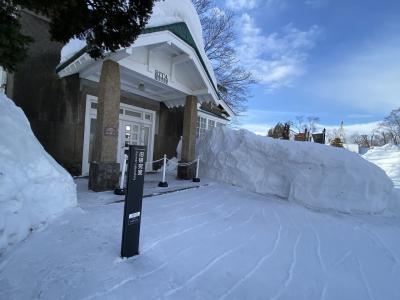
x=164 y=13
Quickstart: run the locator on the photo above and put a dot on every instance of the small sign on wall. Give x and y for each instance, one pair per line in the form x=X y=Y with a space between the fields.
x=161 y=77
x=110 y=131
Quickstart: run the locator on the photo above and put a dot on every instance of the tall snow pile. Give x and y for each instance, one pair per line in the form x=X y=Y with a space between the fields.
x=33 y=187
x=388 y=158
x=317 y=176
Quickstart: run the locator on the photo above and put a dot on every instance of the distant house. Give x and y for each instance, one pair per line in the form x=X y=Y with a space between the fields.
x=160 y=88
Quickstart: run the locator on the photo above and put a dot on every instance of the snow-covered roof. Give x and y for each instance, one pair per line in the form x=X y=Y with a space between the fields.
x=164 y=13
x=170 y=12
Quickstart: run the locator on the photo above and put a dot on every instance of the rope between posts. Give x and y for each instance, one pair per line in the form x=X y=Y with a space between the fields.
x=163 y=183
x=183 y=163
x=154 y=161
x=174 y=162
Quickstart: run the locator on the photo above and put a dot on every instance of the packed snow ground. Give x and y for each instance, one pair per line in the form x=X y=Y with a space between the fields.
x=33 y=186
x=388 y=158
x=214 y=242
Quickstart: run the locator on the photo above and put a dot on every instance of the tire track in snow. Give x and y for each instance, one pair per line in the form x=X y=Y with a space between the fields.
x=318 y=247
x=323 y=291
x=380 y=243
x=132 y=278
x=260 y=261
x=342 y=259
x=364 y=280
x=290 y=270
x=168 y=237
x=171 y=209
x=187 y=217
x=230 y=227
x=207 y=267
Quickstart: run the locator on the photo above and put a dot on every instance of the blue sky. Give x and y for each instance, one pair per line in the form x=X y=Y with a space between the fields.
x=336 y=59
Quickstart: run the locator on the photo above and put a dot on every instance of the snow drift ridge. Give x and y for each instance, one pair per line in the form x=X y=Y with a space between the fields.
x=317 y=176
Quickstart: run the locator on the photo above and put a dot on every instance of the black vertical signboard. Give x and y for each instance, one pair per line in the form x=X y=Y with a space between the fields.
x=133 y=201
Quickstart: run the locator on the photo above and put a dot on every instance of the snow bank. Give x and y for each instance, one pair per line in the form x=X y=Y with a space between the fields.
x=388 y=158
x=33 y=187
x=317 y=176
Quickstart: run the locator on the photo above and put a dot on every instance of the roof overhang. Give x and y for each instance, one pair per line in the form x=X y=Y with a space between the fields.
x=167 y=50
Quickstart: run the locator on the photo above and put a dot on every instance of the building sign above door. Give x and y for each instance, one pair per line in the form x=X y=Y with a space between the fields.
x=161 y=77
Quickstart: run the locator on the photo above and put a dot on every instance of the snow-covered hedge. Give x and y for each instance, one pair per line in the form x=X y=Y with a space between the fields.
x=317 y=176
x=33 y=186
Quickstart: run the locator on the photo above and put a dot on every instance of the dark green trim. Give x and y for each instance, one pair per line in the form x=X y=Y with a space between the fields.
x=182 y=31
x=71 y=59
x=179 y=29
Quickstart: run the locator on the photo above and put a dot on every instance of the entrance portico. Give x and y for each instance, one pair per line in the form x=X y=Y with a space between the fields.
x=161 y=66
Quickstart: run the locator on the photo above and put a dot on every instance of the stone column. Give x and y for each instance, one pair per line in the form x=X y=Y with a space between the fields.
x=189 y=138
x=104 y=169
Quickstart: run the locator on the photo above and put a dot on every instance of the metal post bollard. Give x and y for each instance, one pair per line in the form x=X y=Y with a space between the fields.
x=163 y=183
x=196 y=178
x=121 y=190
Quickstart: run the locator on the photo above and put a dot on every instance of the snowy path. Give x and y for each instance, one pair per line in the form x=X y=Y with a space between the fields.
x=215 y=242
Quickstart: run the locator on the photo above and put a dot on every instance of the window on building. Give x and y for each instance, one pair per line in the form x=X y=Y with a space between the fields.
x=201 y=126
x=198 y=128
x=133 y=113
x=211 y=124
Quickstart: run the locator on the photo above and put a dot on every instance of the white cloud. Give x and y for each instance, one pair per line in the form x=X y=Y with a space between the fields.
x=361 y=128
x=316 y=3
x=275 y=59
x=241 y=4
x=260 y=129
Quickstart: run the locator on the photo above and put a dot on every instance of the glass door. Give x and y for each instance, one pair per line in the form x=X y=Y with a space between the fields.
x=133 y=133
x=136 y=127
x=144 y=135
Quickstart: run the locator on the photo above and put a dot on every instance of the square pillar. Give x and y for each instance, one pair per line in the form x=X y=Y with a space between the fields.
x=189 y=138
x=104 y=169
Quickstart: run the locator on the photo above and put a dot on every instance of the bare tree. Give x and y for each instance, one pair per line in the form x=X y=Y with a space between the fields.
x=280 y=131
x=391 y=124
x=375 y=138
x=332 y=134
x=312 y=122
x=309 y=123
x=298 y=124
x=218 y=31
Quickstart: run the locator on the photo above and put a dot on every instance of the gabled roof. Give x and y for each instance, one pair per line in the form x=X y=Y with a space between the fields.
x=179 y=29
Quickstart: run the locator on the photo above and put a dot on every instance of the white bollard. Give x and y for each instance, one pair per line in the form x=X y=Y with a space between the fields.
x=121 y=190
x=163 y=183
x=121 y=184
x=197 y=179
